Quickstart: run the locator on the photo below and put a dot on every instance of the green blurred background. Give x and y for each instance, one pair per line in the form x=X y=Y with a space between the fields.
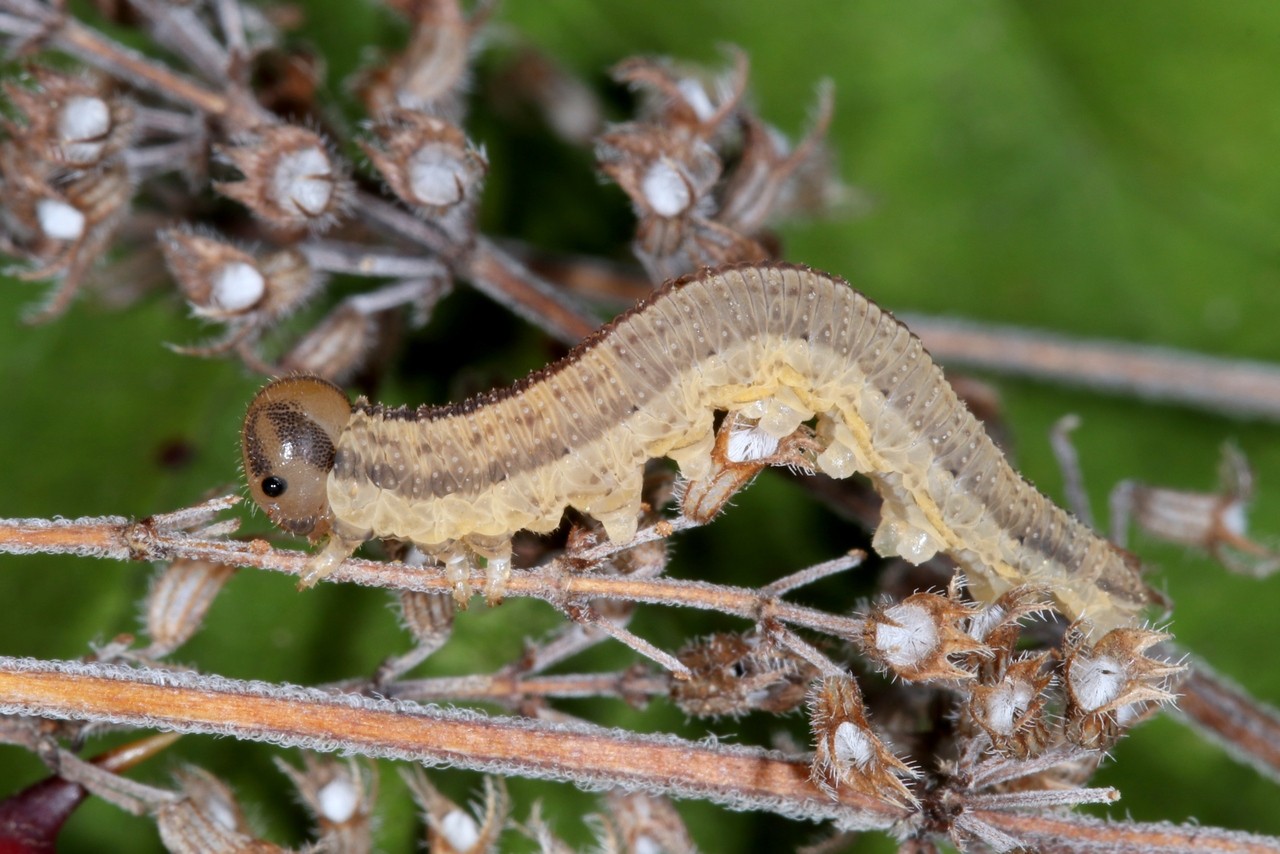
x=1099 y=169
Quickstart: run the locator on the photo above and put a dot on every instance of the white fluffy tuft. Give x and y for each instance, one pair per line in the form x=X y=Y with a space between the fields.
x=665 y=189
x=914 y=636
x=1097 y=681
x=59 y=220
x=83 y=123
x=303 y=181
x=750 y=443
x=338 y=800
x=436 y=177
x=460 y=830
x=853 y=746
x=237 y=286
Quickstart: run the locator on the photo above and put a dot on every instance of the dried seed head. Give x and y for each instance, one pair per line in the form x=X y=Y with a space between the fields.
x=59 y=220
x=427 y=161
x=685 y=101
x=647 y=823
x=218 y=279
x=50 y=212
x=1011 y=710
x=665 y=176
x=224 y=282
x=74 y=121
x=736 y=674
x=673 y=247
x=847 y=750
x=336 y=347
x=915 y=637
x=206 y=819
x=180 y=596
x=771 y=180
x=291 y=179
x=340 y=796
x=1111 y=684
x=999 y=625
x=1213 y=521
x=566 y=103
x=432 y=72
x=450 y=828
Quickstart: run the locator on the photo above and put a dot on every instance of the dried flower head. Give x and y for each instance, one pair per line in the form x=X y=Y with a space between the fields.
x=732 y=674
x=59 y=220
x=180 y=596
x=670 y=248
x=1112 y=684
x=1011 y=708
x=664 y=175
x=225 y=283
x=75 y=121
x=999 y=625
x=206 y=819
x=644 y=822
x=772 y=179
x=428 y=162
x=1213 y=521
x=847 y=751
x=340 y=796
x=291 y=178
x=682 y=99
x=453 y=830
x=916 y=637
x=433 y=71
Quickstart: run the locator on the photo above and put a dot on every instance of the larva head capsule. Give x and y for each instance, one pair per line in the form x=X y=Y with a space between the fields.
x=289 y=439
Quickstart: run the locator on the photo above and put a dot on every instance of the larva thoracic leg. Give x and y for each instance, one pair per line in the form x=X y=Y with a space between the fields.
x=773 y=346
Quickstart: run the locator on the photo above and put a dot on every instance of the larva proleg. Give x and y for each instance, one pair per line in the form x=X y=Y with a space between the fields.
x=776 y=347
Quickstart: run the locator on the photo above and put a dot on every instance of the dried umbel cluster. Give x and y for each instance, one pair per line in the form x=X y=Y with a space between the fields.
x=82 y=150
x=1046 y=713
x=671 y=163
x=63 y=174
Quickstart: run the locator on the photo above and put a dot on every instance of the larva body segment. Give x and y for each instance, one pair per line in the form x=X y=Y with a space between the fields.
x=780 y=345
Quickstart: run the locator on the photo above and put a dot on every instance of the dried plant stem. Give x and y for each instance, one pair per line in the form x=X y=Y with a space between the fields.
x=740 y=777
x=1247 y=729
x=512 y=688
x=1154 y=373
x=490 y=270
x=1071 y=832
x=559 y=582
x=510 y=283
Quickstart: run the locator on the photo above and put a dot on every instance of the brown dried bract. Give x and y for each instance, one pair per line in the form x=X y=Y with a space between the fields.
x=733 y=674
x=847 y=752
x=292 y=181
x=915 y=638
x=430 y=164
x=1112 y=684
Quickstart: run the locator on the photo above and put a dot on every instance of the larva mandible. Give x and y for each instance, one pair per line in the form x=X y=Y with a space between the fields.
x=776 y=346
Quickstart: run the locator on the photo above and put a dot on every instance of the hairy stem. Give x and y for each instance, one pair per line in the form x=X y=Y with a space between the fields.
x=744 y=778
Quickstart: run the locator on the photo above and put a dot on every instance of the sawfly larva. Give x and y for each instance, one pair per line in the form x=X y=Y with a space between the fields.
x=774 y=346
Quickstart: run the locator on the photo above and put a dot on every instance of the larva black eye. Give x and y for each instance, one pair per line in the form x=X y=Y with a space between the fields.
x=290 y=439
